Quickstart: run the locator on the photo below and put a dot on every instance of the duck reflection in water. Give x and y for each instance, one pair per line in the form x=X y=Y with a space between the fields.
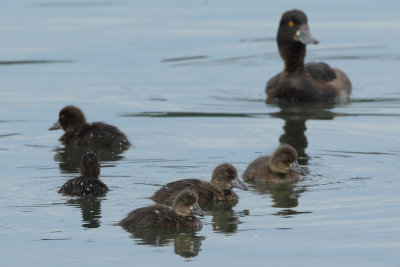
x=68 y=156
x=186 y=242
x=295 y=116
x=224 y=218
x=90 y=208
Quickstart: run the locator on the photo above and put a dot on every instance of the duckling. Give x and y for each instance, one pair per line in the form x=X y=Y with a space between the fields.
x=223 y=179
x=88 y=184
x=299 y=82
x=79 y=132
x=179 y=216
x=281 y=167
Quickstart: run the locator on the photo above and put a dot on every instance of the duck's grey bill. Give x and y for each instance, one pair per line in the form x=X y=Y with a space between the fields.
x=305 y=36
x=55 y=126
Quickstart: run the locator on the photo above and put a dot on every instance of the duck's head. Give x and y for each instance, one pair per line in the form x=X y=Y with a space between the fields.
x=185 y=204
x=293 y=29
x=70 y=119
x=90 y=166
x=284 y=160
x=225 y=177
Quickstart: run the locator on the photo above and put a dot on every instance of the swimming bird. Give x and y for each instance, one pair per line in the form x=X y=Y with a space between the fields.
x=79 y=132
x=181 y=215
x=88 y=184
x=300 y=82
x=223 y=180
x=280 y=167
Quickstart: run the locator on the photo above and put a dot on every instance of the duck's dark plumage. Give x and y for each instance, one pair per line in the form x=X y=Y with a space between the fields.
x=179 y=216
x=223 y=179
x=79 y=132
x=315 y=81
x=88 y=184
x=280 y=167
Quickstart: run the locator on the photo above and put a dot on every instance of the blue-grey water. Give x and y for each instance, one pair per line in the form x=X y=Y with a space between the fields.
x=185 y=81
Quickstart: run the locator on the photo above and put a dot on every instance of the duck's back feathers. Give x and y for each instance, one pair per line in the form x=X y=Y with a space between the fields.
x=320 y=71
x=318 y=82
x=204 y=190
x=158 y=216
x=83 y=186
x=97 y=134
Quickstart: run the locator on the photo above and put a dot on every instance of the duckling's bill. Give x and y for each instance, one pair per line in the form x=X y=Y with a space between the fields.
x=296 y=168
x=197 y=210
x=239 y=184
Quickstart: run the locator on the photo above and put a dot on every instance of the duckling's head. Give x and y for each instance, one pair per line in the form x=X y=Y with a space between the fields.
x=225 y=177
x=90 y=166
x=293 y=28
x=284 y=160
x=185 y=204
x=70 y=119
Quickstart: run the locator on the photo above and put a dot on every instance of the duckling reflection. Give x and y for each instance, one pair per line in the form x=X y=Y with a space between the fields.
x=68 y=156
x=224 y=218
x=90 y=208
x=186 y=242
x=283 y=195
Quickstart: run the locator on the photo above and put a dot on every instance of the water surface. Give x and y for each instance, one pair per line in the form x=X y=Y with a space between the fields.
x=185 y=81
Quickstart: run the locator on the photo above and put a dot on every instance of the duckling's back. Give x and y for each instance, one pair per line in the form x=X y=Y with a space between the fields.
x=168 y=192
x=157 y=216
x=83 y=186
x=97 y=134
x=258 y=169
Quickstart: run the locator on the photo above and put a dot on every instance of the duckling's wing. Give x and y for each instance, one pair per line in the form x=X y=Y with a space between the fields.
x=102 y=134
x=168 y=192
x=320 y=71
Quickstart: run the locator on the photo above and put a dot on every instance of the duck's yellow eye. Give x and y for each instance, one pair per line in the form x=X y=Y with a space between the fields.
x=291 y=24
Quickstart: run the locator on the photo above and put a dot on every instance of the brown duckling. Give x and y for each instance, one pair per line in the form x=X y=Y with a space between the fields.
x=281 y=167
x=88 y=184
x=179 y=216
x=314 y=81
x=223 y=179
x=79 y=132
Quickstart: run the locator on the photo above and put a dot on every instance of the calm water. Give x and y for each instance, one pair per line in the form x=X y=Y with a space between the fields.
x=185 y=81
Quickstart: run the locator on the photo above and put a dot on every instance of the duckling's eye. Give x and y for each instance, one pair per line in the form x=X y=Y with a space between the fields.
x=291 y=23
